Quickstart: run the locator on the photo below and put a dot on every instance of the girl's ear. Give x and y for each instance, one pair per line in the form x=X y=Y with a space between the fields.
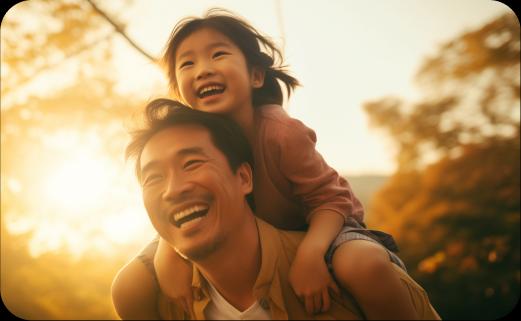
x=245 y=176
x=257 y=77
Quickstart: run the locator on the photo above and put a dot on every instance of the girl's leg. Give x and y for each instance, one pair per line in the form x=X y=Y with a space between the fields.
x=364 y=269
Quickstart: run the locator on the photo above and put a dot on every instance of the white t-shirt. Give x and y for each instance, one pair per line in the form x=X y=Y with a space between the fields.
x=220 y=309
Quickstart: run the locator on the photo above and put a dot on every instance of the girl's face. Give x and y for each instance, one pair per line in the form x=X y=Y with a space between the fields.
x=212 y=73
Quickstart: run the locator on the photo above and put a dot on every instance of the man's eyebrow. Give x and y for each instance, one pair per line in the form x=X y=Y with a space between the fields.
x=210 y=46
x=181 y=153
x=150 y=165
x=191 y=151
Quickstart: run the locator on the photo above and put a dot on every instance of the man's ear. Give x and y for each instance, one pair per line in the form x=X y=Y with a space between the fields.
x=245 y=175
x=257 y=77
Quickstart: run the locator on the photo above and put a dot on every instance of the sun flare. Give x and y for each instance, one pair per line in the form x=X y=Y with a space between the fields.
x=80 y=182
x=81 y=197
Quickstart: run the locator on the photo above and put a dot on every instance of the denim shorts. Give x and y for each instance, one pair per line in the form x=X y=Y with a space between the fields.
x=353 y=230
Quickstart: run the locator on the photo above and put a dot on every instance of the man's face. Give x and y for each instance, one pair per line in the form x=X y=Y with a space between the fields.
x=193 y=198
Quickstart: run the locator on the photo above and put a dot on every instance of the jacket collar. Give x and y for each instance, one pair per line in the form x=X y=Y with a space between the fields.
x=267 y=287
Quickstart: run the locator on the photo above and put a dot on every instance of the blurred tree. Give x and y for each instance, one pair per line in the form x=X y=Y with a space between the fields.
x=56 y=285
x=40 y=35
x=453 y=204
x=37 y=38
x=58 y=29
x=471 y=89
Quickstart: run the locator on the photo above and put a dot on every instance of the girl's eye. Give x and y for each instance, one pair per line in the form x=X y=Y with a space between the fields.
x=185 y=63
x=192 y=164
x=219 y=53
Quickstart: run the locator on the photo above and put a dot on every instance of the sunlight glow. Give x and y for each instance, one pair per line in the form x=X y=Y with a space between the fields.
x=79 y=182
x=14 y=185
x=80 y=177
x=82 y=198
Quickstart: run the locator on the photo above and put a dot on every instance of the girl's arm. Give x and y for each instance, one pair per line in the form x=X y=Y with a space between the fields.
x=329 y=202
x=309 y=274
x=324 y=226
x=314 y=183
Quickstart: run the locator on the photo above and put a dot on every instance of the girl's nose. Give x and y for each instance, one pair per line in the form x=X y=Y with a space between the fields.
x=205 y=70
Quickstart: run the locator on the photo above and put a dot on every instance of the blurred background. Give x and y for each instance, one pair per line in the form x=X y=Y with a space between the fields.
x=415 y=102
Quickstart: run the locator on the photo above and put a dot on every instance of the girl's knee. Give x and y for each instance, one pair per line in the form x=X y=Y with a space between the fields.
x=360 y=261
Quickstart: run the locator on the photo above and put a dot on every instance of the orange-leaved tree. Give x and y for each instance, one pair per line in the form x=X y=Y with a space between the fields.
x=453 y=204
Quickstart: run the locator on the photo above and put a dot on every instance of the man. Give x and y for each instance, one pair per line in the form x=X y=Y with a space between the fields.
x=196 y=172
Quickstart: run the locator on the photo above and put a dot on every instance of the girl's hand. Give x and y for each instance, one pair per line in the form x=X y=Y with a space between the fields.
x=174 y=275
x=311 y=279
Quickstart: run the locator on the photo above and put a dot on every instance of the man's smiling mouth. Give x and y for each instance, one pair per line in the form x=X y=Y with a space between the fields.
x=196 y=212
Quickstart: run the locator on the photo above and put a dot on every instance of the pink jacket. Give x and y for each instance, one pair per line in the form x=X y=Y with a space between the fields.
x=291 y=180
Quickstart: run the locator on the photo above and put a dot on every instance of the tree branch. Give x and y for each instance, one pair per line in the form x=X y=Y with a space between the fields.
x=5 y=90
x=121 y=31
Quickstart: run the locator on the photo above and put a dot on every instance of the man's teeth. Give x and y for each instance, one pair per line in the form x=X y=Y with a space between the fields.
x=180 y=215
x=210 y=88
x=190 y=222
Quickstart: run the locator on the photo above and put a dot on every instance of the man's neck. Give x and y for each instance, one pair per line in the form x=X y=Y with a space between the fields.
x=234 y=267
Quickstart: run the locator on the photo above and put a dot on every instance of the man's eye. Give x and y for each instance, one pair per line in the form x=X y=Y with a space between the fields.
x=151 y=179
x=219 y=53
x=191 y=164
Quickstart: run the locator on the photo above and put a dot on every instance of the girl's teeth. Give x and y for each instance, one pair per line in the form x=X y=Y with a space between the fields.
x=209 y=88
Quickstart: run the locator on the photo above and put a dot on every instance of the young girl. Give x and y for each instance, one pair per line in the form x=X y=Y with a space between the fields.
x=221 y=64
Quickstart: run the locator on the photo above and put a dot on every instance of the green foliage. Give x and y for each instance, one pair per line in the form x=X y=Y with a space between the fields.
x=457 y=218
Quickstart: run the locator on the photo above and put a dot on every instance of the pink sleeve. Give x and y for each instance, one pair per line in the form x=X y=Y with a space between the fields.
x=313 y=181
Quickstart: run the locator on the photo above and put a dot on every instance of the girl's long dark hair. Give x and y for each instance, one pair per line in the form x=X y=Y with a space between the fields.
x=249 y=41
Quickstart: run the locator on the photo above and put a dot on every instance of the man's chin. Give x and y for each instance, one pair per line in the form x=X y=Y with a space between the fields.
x=200 y=252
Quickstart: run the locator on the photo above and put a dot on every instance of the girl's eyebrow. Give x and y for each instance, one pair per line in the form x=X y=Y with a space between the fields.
x=218 y=44
x=209 y=47
x=184 y=54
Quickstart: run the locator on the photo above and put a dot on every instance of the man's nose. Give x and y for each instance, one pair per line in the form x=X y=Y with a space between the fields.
x=177 y=188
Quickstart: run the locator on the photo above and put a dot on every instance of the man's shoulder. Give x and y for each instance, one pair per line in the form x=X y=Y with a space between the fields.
x=418 y=295
x=280 y=240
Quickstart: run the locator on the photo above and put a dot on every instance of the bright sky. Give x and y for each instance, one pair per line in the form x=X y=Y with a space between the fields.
x=345 y=52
